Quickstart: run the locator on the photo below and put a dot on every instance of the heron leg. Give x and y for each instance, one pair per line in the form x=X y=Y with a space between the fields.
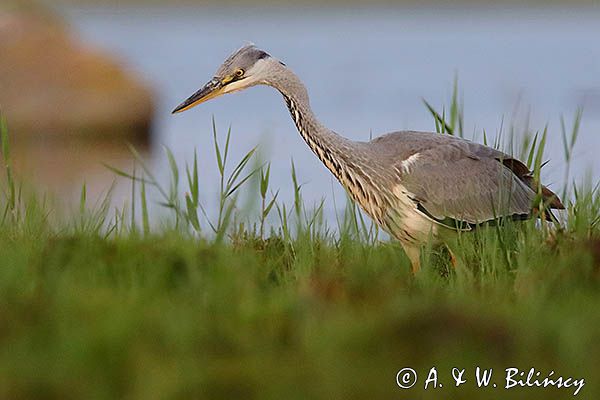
x=453 y=259
x=414 y=255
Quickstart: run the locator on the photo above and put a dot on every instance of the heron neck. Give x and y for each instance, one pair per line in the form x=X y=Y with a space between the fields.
x=330 y=147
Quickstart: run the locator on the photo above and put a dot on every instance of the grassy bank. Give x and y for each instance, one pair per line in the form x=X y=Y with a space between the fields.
x=100 y=305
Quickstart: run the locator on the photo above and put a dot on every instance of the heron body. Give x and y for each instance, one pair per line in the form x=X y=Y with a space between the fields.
x=417 y=186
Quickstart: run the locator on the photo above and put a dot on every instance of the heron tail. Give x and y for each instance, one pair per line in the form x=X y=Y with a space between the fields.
x=551 y=199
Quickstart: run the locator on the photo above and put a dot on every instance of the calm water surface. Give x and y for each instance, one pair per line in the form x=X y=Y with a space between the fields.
x=366 y=71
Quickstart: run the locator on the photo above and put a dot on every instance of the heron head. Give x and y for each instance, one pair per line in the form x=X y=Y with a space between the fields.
x=248 y=66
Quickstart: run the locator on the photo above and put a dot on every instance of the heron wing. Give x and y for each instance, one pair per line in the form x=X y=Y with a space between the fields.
x=465 y=182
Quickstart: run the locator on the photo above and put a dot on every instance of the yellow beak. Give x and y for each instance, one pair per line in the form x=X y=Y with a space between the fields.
x=212 y=89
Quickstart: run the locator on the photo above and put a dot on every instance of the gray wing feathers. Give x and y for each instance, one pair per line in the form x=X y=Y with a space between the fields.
x=468 y=190
x=455 y=178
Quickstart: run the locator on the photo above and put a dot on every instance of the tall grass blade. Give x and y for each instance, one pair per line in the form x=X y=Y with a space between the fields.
x=133 y=225
x=532 y=150
x=11 y=200
x=220 y=163
x=192 y=213
x=144 y=203
x=443 y=125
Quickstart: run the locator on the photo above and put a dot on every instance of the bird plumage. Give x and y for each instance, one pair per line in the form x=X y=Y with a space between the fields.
x=454 y=178
x=415 y=185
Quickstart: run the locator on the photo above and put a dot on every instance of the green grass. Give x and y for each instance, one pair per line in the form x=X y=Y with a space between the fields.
x=273 y=303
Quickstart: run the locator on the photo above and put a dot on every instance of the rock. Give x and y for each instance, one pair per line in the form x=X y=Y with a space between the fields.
x=52 y=84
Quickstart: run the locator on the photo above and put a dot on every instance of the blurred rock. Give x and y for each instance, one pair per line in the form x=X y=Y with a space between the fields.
x=52 y=84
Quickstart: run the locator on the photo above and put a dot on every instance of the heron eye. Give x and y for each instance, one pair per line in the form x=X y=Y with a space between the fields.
x=239 y=73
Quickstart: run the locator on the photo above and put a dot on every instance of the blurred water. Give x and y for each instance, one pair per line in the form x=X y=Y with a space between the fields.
x=366 y=71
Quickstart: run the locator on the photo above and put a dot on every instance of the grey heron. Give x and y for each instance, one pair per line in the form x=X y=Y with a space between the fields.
x=416 y=186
